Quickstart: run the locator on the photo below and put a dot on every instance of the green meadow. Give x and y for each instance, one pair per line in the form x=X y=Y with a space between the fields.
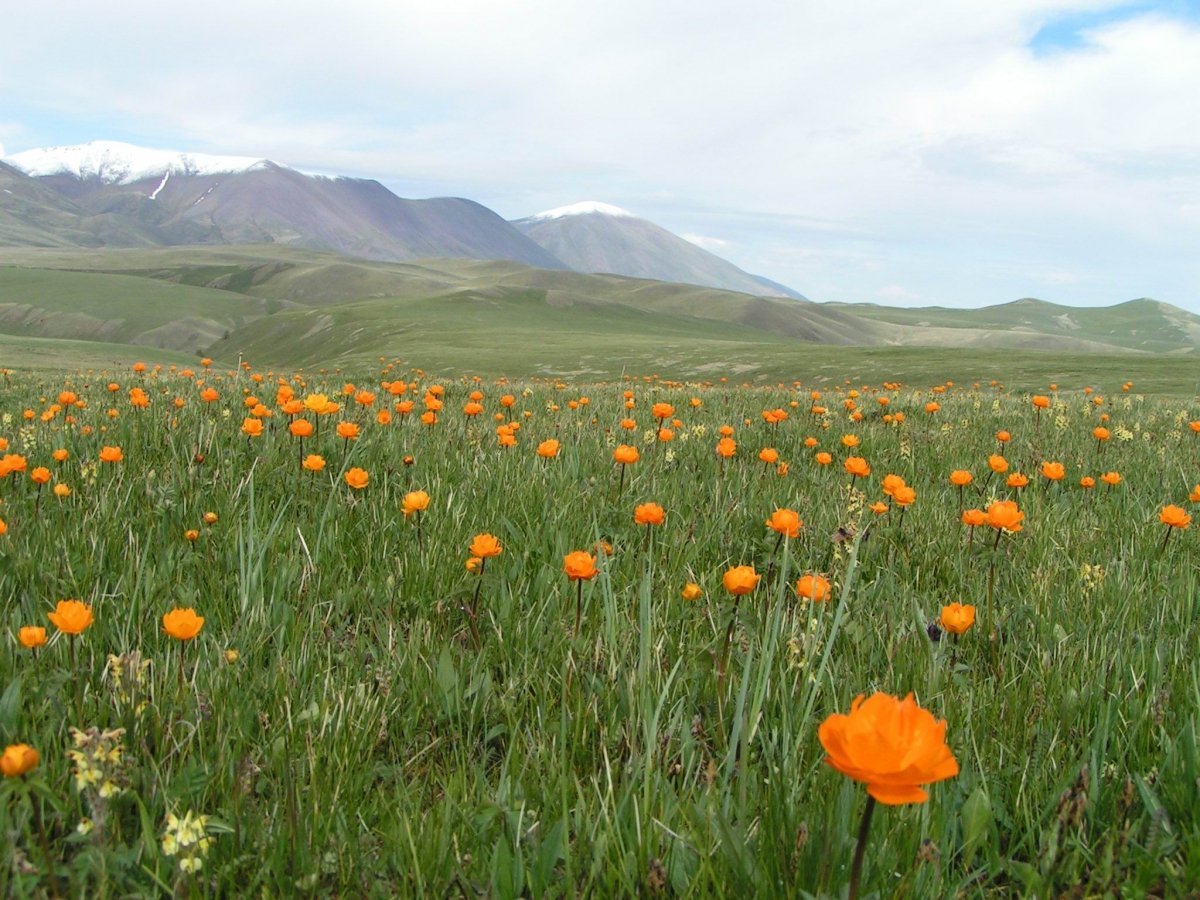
x=364 y=713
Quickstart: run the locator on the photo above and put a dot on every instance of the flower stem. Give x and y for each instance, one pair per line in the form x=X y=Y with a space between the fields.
x=860 y=849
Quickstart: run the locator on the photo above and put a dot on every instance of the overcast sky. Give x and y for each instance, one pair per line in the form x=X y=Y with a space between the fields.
x=908 y=152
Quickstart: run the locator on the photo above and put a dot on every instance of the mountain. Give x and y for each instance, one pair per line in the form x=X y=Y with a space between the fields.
x=168 y=198
x=599 y=238
x=1142 y=324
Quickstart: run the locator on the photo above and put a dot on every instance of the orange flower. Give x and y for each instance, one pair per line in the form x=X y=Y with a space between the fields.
x=1041 y=402
x=71 y=616
x=580 y=566
x=18 y=759
x=850 y=440
x=891 y=745
x=1100 y=433
x=891 y=483
x=878 y=507
x=40 y=475
x=997 y=464
x=626 y=455
x=813 y=587
x=786 y=522
x=548 y=449
x=1017 y=480
x=111 y=454
x=472 y=409
x=1004 y=514
x=473 y=564
x=973 y=518
x=662 y=411
x=649 y=514
x=726 y=448
x=957 y=618
x=301 y=428
x=1087 y=482
x=960 y=478
x=191 y=535
x=252 y=427
x=60 y=455
x=691 y=591
x=1003 y=437
x=31 y=636
x=628 y=424
x=357 y=478
x=823 y=458
x=904 y=496
x=740 y=580
x=856 y=466
x=415 y=502
x=485 y=546
x=932 y=406
x=209 y=518
x=1054 y=471
x=347 y=430
x=1194 y=496
x=1112 y=479
x=314 y=463
x=182 y=624
x=1174 y=517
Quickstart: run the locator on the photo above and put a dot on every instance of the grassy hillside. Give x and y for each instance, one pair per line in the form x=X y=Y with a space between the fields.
x=1135 y=325
x=121 y=309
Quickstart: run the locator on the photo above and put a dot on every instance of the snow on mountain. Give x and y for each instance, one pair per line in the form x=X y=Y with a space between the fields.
x=582 y=209
x=117 y=163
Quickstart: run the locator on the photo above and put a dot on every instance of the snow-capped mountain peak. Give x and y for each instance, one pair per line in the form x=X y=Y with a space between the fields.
x=114 y=162
x=583 y=209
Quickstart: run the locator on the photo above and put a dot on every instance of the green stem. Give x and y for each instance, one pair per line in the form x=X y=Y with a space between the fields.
x=864 y=829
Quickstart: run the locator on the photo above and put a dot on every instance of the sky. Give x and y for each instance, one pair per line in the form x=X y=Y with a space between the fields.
x=942 y=152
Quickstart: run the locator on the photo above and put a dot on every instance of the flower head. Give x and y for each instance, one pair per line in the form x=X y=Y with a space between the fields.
x=17 y=760
x=957 y=618
x=414 y=502
x=740 y=580
x=691 y=591
x=856 y=466
x=182 y=624
x=1005 y=515
x=626 y=455
x=548 y=449
x=1174 y=517
x=580 y=566
x=813 y=587
x=31 y=636
x=485 y=546
x=891 y=745
x=111 y=454
x=785 y=522
x=71 y=616
x=357 y=478
x=1053 y=471
x=649 y=514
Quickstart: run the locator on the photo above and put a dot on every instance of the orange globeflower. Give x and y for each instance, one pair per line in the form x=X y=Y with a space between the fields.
x=1101 y=434
x=314 y=463
x=1087 y=482
x=813 y=587
x=768 y=455
x=726 y=448
x=71 y=616
x=691 y=591
x=182 y=624
x=850 y=440
x=904 y=496
x=60 y=455
x=891 y=745
x=649 y=514
x=1111 y=478
x=1041 y=401
x=878 y=507
x=932 y=407
x=548 y=449
x=252 y=427
x=662 y=411
x=580 y=565
x=891 y=483
x=856 y=467
x=786 y=522
x=740 y=580
x=997 y=464
x=485 y=546
x=626 y=455
x=32 y=636
x=1003 y=437
x=1194 y=496
x=111 y=454
x=18 y=759
x=1004 y=515
x=1054 y=471
x=974 y=517
x=823 y=458
x=40 y=475
x=347 y=431
x=1017 y=480
x=960 y=478
x=628 y=424
x=301 y=428
x=357 y=478
x=414 y=502
x=1174 y=517
x=957 y=618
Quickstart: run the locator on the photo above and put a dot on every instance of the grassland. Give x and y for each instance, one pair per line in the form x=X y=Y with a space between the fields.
x=347 y=731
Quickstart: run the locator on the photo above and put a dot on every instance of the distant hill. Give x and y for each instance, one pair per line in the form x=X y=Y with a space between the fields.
x=600 y=238
x=160 y=197
x=1141 y=324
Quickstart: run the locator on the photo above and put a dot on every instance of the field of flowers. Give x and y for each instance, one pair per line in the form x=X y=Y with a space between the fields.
x=272 y=634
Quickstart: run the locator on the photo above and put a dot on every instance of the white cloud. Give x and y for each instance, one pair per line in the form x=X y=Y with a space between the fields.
x=708 y=243
x=929 y=138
